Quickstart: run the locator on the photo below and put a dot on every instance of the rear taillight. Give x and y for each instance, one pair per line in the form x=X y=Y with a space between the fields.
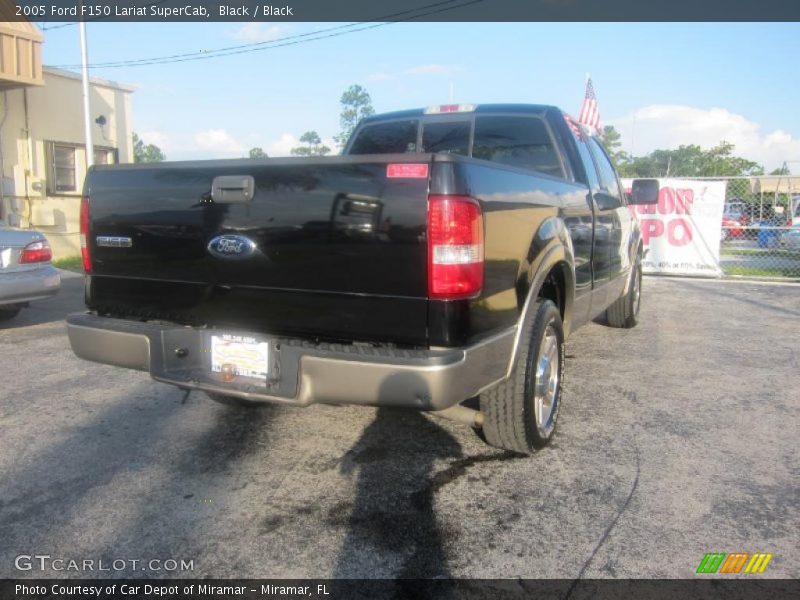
x=36 y=252
x=455 y=247
x=85 y=253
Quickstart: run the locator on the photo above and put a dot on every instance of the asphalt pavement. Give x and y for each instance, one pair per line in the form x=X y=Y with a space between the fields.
x=675 y=439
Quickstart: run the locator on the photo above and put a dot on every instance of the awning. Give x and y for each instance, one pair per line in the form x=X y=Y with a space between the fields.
x=20 y=54
x=775 y=184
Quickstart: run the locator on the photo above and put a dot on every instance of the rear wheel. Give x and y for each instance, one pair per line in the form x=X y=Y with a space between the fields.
x=624 y=312
x=9 y=312
x=520 y=414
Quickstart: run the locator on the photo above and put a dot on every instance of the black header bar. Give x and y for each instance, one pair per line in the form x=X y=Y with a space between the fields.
x=399 y=10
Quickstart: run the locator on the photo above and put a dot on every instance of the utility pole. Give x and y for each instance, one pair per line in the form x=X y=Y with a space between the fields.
x=87 y=114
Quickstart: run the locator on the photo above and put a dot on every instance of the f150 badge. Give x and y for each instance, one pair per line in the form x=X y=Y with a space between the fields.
x=231 y=246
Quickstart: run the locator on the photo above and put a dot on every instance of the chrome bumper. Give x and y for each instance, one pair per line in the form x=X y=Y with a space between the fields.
x=301 y=373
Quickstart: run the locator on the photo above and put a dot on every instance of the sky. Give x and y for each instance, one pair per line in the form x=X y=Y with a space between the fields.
x=661 y=85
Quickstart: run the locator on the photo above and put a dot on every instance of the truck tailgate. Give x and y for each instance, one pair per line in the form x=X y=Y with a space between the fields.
x=339 y=248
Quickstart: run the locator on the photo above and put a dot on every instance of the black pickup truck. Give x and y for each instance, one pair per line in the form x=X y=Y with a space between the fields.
x=444 y=257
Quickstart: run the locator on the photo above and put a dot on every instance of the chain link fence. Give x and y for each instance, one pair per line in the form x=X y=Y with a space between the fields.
x=760 y=229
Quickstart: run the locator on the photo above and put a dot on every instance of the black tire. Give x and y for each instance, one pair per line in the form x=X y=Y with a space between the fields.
x=513 y=419
x=624 y=313
x=235 y=401
x=9 y=312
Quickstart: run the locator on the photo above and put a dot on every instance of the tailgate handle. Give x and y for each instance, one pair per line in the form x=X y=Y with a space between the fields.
x=233 y=188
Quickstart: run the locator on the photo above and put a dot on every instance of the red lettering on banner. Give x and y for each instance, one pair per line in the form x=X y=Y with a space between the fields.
x=675 y=226
x=651 y=228
x=670 y=201
x=679 y=231
x=685 y=200
x=666 y=201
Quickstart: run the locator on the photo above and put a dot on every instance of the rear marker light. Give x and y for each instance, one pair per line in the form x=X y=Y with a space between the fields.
x=36 y=252
x=455 y=247
x=412 y=171
x=84 y=223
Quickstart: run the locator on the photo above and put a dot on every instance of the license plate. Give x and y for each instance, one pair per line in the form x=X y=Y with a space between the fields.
x=239 y=355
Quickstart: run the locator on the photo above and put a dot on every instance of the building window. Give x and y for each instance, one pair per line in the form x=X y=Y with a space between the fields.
x=64 y=168
x=63 y=160
x=105 y=156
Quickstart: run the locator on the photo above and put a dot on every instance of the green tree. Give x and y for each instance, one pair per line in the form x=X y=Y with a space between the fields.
x=356 y=104
x=691 y=161
x=612 y=141
x=784 y=170
x=257 y=152
x=312 y=145
x=144 y=153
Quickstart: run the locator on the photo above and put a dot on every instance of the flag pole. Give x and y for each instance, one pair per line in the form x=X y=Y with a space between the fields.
x=87 y=115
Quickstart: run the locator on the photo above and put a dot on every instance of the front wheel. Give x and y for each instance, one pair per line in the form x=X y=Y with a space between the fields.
x=624 y=313
x=520 y=414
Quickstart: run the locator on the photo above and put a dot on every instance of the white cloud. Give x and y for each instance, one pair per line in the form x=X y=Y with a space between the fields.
x=219 y=142
x=259 y=32
x=669 y=126
x=159 y=138
x=284 y=144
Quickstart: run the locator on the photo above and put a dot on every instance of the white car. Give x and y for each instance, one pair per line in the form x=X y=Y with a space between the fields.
x=791 y=238
x=25 y=270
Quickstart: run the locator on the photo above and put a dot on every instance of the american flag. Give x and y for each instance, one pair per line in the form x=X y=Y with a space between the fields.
x=590 y=115
x=573 y=125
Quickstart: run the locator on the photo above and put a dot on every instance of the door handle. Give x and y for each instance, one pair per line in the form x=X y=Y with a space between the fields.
x=229 y=189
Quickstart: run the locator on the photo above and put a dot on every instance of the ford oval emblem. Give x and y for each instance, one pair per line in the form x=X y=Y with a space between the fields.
x=231 y=246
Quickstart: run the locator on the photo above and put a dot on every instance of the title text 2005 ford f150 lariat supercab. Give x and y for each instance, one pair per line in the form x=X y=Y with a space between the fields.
x=445 y=256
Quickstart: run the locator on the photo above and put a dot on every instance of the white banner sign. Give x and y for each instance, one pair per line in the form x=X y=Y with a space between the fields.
x=681 y=233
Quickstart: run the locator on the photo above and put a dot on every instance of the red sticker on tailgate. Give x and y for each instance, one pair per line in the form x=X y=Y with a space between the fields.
x=407 y=170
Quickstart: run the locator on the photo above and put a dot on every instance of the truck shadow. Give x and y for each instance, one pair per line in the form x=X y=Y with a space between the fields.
x=393 y=529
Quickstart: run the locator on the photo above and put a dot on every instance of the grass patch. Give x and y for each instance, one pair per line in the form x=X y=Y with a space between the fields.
x=70 y=263
x=782 y=272
x=765 y=252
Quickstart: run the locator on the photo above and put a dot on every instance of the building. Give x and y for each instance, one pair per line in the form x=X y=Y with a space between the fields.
x=42 y=140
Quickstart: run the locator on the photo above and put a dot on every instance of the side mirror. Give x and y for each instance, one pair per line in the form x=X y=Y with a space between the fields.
x=644 y=191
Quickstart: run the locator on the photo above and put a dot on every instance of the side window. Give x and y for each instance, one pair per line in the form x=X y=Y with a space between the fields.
x=518 y=142
x=605 y=171
x=61 y=168
x=449 y=137
x=394 y=137
x=105 y=156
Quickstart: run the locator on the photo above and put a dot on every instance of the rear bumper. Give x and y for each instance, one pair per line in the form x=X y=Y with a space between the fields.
x=301 y=372
x=27 y=285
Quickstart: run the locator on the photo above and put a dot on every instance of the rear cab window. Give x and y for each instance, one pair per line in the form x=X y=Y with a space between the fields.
x=522 y=142
x=446 y=137
x=391 y=137
x=519 y=141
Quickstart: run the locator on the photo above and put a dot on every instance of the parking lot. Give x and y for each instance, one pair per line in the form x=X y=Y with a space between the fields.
x=676 y=438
